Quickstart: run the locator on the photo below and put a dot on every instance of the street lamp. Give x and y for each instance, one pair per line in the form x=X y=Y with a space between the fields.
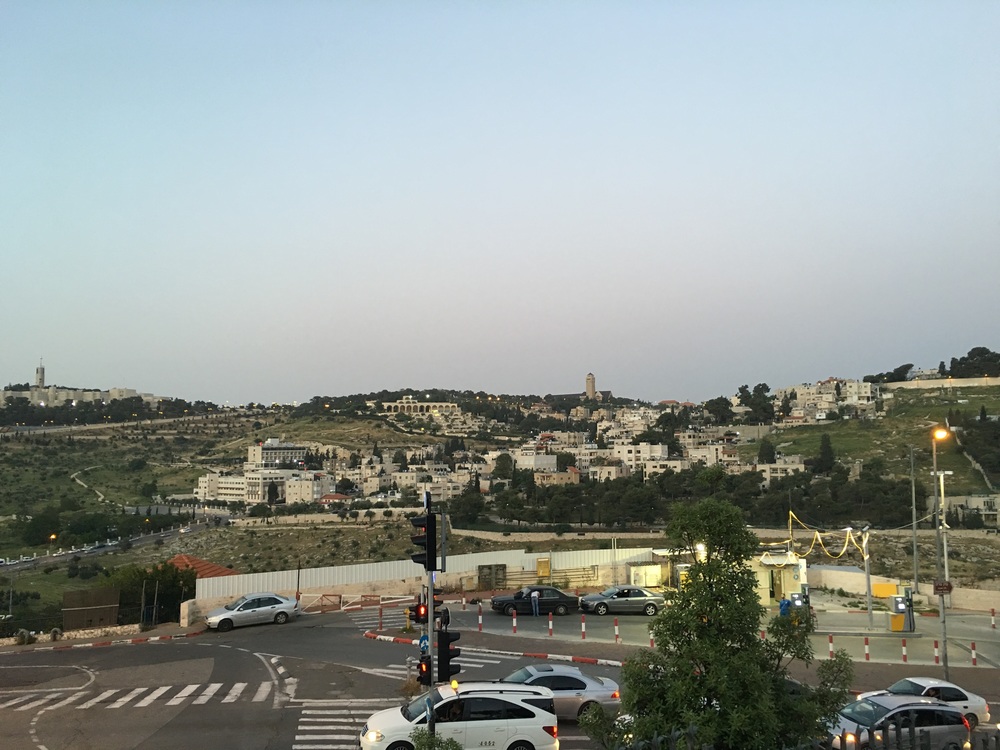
x=52 y=538
x=941 y=584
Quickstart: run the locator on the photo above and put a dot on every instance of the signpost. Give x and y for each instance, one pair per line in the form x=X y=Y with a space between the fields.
x=942 y=588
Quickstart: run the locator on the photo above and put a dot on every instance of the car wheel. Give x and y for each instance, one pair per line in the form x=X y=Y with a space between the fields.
x=509 y=610
x=585 y=708
x=281 y=618
x=973 y=720
x=400 y=746
x=224 y=626
x=521 y=745
x=561 y=609
x=650 y=609
x=601 y=608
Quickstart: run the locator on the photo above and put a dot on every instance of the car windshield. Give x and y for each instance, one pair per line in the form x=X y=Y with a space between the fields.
x=864 y=712
x=521 y=675
x=906 y=687
x=418 y=706
x=524 y=592
x=233 y=605
x=610 y=592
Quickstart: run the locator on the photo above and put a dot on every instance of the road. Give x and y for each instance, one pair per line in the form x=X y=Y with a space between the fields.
x=310 y=684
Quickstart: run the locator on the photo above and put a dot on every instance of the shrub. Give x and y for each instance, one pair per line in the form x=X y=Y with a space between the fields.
x=24 y=637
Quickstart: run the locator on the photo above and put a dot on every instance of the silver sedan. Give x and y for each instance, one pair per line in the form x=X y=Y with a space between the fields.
x=574 y=692
x=975 y=707
x=623 y=600
x=253 y=609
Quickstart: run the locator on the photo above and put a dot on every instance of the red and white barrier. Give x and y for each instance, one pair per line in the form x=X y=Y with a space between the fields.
x=652 y=643
x=583 y=627
x=480 y=617
x=973 y=653
x=993 y=619
x=380 y=618
x=904 y=651
x=550 y=624
x=830 y=641
x=513 y=619
x=763 y=635
x=937 y=654
x=867 y=652
x=618 y=638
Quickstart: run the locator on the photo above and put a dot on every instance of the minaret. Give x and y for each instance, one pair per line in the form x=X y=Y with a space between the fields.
x=39 y=375
x=591 y=386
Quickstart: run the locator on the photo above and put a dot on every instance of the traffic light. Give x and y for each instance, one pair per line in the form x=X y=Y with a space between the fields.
x=437 y=610
x=424 y=671
x=420 y=612
x=445 y=653
x=426 y=538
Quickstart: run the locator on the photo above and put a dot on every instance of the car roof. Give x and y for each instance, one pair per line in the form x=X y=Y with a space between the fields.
x=553 y=669
x=464 y=688
x=891 y=701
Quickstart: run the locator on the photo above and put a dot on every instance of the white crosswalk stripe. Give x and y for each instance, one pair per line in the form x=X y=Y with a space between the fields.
x=335 y=724
x=140 y=697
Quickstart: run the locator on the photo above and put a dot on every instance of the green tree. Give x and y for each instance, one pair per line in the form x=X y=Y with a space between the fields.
x=504 y=467
x=720 y=409
x=766 y=453
x=710 y=669
x=824 y=463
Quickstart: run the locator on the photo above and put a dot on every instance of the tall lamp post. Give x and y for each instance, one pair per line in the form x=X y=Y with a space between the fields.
x=913 y=503
x=940 y=585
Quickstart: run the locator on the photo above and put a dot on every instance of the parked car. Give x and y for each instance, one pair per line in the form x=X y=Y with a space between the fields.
x=623 y=600
x=876 y=721
x=550 y=599
x=253 y=609
x=575 y=693
x=474 y=714
x=975 y=707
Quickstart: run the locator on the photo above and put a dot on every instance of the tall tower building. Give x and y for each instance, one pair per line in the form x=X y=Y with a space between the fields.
x=39 y=375
x=591 y=386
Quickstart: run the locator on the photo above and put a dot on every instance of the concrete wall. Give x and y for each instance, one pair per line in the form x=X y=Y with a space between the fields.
x=853 y=581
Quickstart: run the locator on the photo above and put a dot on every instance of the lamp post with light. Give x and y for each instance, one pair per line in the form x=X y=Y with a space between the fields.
x=941 y=584
x=52 y=539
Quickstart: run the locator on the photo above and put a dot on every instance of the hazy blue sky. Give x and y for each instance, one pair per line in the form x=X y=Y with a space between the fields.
x=266 y=201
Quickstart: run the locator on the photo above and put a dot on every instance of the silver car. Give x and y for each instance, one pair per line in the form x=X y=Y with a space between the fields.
x=623 y=600
x=879 y=720
x=975 y=707
x=574 y=692
x=253 y=609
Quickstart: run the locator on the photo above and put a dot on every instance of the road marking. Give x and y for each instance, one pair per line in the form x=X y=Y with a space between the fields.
x=94 y=701
x=184 y=693
x=71 y=699
x=15 y=701
x=153 y=696
x=300 y=737
x=127 y=697
x=262 y=692
x=234 y=693
x=207 y=694
x=40 y=701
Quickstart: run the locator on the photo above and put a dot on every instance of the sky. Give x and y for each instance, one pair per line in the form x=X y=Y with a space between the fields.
x=260 y=201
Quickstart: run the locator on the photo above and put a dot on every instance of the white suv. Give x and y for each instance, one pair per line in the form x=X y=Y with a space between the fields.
x=474 y=714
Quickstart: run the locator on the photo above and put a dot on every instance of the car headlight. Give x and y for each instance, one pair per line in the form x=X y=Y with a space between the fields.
x=373 y=735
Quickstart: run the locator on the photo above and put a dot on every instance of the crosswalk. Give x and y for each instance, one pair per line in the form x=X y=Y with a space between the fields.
x=140 y=697
x=335 y=724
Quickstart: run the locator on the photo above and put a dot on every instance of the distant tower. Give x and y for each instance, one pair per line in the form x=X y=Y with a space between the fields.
x=591 y=386
x=39 y=375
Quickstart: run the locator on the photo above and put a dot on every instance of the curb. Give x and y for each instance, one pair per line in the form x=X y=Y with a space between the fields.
x=96 y=644
x=525 y=654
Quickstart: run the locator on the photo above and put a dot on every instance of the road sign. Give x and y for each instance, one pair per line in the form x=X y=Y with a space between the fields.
x=942 y=587
x=424 y=643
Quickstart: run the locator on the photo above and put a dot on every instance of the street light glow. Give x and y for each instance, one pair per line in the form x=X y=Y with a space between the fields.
x=940 y=433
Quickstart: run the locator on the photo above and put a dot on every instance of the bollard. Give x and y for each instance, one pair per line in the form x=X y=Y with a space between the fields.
x=830 y=639
x=514 y=620
x=652 y=643
x=867 y=653
x=617 y=636
x=904 y=651
x=937 y=656
x=550 y=624
x=463 y=602
x=763 y=635
x=583 y=627
x=380 y=617
x=480 y=618
x=973 y=653
x=993 y=618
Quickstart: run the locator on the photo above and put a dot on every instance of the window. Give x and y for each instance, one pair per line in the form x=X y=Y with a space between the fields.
x=485 y=709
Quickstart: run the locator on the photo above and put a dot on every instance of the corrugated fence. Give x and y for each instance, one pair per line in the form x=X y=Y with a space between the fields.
x=461 y=565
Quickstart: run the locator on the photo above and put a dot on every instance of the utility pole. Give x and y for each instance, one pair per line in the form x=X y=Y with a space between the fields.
x=913 y=501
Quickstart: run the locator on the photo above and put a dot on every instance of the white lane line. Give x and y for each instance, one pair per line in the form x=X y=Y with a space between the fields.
x=153 y=696
x=182 y=695
x=262 y=692
x=15 y=701
x=235 y=692
x=300 y=737
x=40 y=701
x=206 y=696
x=73 y=698
x=94 y=701
x=127 y=697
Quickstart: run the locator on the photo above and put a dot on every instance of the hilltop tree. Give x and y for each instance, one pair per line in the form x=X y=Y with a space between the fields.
x=826 y=460
x=720 y=409
x=710 y=668
x=766 y=453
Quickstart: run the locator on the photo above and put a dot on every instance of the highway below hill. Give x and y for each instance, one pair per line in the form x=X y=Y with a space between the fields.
x=273 y=687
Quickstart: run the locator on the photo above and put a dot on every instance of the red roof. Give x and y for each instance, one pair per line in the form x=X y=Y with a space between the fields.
x=202 y=568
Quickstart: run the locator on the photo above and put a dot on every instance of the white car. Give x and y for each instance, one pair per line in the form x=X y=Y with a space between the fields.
x=253 y=609
x=974 y=707
x=474 y=714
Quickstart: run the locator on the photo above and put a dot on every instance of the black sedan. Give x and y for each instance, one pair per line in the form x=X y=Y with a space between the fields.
x=623 y=600
x=549 y=600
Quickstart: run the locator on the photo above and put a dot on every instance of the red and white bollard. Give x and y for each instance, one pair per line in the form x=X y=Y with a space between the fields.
x=618 y=638
x=550 y=624
x=463 y=602
x=867 y=652
x=513 y=619
x=480 y=617
x=652 y=643
x=937 y=655
x=973 y=653
x=830 y=641
x=583 y=627
x=763 y=635
x=904 y=651
x=993 y=619
x=380 y=617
